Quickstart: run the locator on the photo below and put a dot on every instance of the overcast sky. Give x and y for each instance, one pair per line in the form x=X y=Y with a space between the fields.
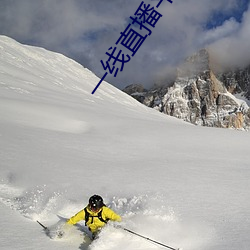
x=85 y=29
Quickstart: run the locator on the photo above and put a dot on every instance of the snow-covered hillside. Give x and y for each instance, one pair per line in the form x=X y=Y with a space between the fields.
x=176 y=183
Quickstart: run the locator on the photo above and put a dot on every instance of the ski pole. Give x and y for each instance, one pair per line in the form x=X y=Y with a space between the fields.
x=146 y=238
x=45 y=228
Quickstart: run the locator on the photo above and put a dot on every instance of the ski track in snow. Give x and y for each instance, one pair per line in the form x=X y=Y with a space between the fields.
x=145 y=214
x=43 y=117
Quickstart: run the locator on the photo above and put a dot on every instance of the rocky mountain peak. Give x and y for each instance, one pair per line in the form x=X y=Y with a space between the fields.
x=197 y=64
x=202 y=97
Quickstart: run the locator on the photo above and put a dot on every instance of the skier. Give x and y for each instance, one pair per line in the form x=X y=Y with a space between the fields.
x=95 y=214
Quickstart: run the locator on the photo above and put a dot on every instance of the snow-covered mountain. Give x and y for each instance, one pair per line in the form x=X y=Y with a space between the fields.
x=201 y=96
x=237 y=81
x=179 y=184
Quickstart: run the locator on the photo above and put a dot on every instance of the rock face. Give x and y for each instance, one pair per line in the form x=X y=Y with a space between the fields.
x=237 y=81
x=136 y=90
x=201 y=97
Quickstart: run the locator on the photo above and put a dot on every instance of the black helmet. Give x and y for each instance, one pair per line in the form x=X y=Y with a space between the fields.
x=96 y=202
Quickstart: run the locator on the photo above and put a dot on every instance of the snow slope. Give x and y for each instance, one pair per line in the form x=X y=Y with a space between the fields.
x=182 y=185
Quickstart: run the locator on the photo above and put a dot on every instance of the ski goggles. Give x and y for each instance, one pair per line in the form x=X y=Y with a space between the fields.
x=94 y=208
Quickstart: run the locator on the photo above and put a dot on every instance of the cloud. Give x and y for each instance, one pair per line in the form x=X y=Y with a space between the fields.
x=85 y=29
x=226 y=29
x=233 y=49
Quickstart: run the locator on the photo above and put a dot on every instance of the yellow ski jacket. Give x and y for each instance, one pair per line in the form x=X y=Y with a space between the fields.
x=94 y=223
